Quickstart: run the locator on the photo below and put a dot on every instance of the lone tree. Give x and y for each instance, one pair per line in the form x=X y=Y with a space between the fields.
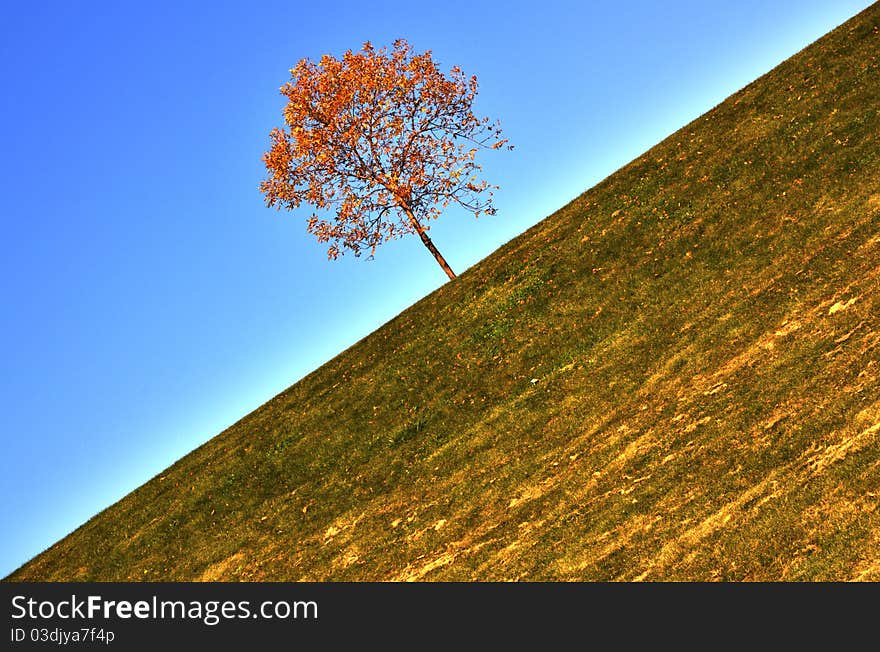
x=382 y=139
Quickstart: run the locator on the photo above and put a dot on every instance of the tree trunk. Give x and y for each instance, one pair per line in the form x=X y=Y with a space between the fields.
x=429 y=244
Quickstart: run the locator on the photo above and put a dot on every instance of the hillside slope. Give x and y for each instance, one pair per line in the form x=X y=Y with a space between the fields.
x=675 y=376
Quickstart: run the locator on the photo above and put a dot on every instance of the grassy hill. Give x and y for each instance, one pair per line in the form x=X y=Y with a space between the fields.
x=676 y=376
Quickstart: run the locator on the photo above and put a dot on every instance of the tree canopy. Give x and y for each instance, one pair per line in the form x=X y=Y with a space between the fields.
x=378 y=143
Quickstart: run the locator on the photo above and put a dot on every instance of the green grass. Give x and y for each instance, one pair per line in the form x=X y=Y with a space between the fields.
x=674 y=377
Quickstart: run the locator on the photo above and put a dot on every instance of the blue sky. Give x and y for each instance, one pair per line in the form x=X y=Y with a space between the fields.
x=149 y=299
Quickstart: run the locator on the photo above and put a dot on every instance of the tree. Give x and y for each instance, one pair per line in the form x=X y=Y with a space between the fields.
x=379 y=142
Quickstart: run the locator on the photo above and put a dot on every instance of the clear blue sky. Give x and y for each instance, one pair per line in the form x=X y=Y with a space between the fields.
x=149 y=299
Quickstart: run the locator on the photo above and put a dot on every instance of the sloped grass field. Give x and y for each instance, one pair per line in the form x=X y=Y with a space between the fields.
x=674 y=377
